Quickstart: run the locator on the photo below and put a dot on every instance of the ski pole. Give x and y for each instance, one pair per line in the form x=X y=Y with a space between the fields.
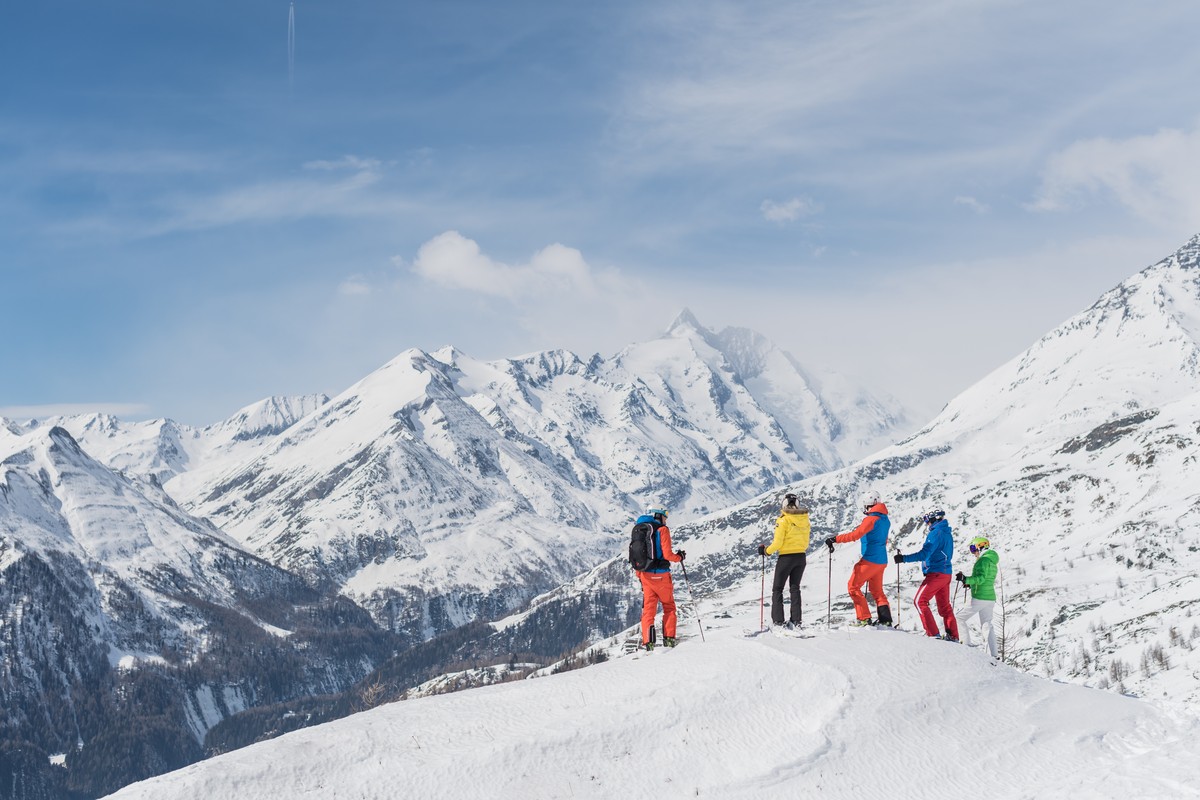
x=898 y=600
x=829 y=591
x=762 y=597
x=695 y=610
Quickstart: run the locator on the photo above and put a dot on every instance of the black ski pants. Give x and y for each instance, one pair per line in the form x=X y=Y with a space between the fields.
x=788 y=569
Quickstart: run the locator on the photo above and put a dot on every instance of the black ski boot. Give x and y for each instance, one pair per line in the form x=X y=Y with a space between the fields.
x=885 y=615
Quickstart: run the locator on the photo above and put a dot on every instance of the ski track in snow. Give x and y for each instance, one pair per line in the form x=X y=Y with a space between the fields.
x=846 y=714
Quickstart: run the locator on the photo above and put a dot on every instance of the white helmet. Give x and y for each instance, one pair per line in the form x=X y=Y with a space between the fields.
x=870 y=499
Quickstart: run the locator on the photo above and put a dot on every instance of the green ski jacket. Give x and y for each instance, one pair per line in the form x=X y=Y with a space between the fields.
x=982 y=580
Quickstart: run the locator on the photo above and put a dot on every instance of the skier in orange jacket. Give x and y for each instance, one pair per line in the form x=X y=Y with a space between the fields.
x=873 y=531
x=656 y=581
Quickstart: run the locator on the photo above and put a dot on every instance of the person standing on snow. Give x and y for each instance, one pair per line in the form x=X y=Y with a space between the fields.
x=791 y=542
x=935 y=556
x=868 y=571
x=657 y=587
x=982 y=585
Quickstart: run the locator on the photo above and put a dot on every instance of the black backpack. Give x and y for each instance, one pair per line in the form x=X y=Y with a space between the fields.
x=641 y=547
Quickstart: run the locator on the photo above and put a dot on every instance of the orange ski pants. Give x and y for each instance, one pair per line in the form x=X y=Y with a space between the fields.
x=871 y=575
x=657 y=588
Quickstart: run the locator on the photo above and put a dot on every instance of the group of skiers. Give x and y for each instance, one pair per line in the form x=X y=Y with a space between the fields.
x=791 y=542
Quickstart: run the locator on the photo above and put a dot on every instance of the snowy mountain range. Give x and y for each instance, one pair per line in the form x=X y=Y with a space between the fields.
x=441 y=490
x=224 y=569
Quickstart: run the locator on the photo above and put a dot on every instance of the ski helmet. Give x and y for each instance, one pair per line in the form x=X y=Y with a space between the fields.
x=870 y=499
x=660 y=514
x=934 y=516
x=979 y=544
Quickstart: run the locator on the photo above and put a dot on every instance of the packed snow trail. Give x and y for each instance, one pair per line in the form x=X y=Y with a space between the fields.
x=847 y=714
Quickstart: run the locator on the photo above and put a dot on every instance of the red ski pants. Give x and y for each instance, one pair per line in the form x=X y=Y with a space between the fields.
x=865 y=572
x=657 y=588
x=936 y=586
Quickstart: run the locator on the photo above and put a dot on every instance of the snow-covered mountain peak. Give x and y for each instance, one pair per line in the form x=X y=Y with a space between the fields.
x=268 y=417
x=447 y=354
x=685 y=324
x=1137 y=347
x=61 y=499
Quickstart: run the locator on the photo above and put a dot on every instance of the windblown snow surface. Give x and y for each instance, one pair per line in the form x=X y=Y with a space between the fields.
x=844 y=714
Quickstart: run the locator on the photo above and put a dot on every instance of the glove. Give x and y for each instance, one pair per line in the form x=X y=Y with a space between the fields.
x=682 y=554
x=829 y=542
x=762 y=549
x=961 y=578
x=899 y=559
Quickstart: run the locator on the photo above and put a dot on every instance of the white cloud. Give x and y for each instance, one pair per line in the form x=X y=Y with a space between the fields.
x=727 y=81
x=971 y=203
x=354 y=286
x=1156 y=176
x=455 y=261
x=556 y=297
x=345 y=162
x=271 y=201
x=790 y=210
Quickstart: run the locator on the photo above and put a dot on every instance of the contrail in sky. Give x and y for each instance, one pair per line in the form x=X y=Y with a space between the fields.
x=291 y=43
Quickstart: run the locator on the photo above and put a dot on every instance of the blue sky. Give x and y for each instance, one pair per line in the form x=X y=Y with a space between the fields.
x=909 y=192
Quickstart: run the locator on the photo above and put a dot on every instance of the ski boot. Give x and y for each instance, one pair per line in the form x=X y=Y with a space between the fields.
x=669 y=641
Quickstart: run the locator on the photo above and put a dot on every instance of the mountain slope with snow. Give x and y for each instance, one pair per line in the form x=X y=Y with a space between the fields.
x=441 y=488
x=128 y=626
x=1090 y=497
x=1080 y=460
x=841 y=714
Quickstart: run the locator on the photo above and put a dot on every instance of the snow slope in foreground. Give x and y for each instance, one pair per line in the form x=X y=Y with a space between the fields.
x=849 y=714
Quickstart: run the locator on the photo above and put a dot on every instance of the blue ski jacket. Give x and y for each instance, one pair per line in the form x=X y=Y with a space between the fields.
x=872 y=533
x=937 y=552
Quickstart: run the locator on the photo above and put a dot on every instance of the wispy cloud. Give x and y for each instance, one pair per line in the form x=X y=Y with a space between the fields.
x=967 y=201
x=280 y=200
x=747 y=81
x=359 y=194
x=355 y=286
x=790 y=210
x=1156 y=176
x=345 y=162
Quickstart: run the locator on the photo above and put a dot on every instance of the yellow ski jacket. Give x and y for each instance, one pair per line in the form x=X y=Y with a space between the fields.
x=791 y=533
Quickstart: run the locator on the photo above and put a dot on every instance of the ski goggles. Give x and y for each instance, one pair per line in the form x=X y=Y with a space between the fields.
x=975 y=549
